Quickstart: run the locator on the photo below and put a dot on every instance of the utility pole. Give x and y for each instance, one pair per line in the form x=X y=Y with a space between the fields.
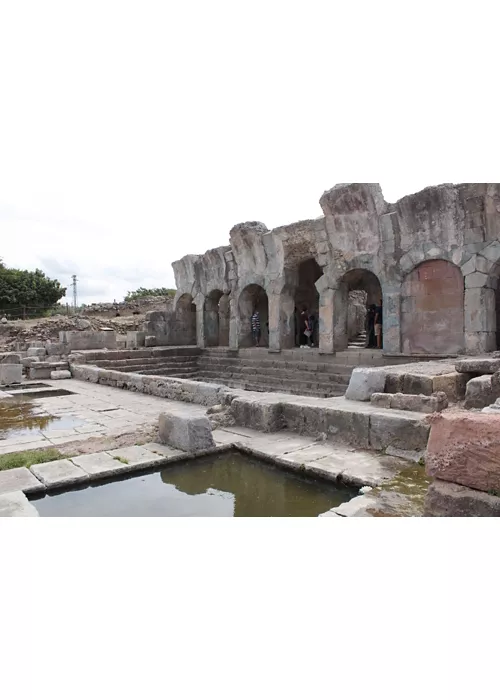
x=75 y=298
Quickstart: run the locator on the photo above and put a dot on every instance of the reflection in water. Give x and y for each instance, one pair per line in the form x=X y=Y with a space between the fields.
x=22 y=418
x=220 y=485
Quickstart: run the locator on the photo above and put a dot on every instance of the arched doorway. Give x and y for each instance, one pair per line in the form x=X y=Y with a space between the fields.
x=253 y=298
x=216 y=319
x=432 y=309
x=185 y=320
x=357 y=290
x=307 y=297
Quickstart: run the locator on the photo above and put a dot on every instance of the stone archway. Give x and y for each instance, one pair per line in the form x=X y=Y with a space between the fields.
x=216 y=319
x=432 y=309
x=356 y=291
x=307 y=296
x=253 y=297
x=185 y=320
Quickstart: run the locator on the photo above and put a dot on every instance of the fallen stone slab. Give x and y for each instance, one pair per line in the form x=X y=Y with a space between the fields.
x=186 y=433
x=11 y=374
x=478 y=365
x=364 y=382
x=452 y=384
x=19 y=479
x=445 y=499
x=465 y=449
x=43 y=370
x=16 y=505
x=396 y=430
x=479 y=392
x=60 y=473
x=60 y=374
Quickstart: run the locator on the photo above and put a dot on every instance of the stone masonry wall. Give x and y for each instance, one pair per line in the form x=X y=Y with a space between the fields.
x=364 y=243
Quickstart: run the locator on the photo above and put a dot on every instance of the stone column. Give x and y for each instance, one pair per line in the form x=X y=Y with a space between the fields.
x=281 y=321
x=340 y=312
x=200 y=320
x=233 y=323
x=480 y=320
x=326 y=316
x=391 y=304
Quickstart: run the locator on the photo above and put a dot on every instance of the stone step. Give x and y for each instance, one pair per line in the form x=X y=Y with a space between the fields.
x=270 y=380
x=132 y=361
x=160 y=370
x=285 y=375
x=323 y=391
x=317 y=366
x=175 y=375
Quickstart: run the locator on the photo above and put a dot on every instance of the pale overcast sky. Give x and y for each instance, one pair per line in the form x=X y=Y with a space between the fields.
x=132 y=134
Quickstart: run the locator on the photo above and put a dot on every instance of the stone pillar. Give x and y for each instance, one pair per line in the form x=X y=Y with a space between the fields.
x=281 y=321
x=391 y=304
x=480 y=320
x=224 y=312
x=233 y=323
x=200 y=320
x=340 y=314
x=326 y=321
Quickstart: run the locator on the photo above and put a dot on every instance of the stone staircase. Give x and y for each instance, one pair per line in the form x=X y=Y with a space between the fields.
x=302 y=372
x=181 y=363
x=358 y=342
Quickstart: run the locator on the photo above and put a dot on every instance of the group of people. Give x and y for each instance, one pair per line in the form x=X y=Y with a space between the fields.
x=308 y=324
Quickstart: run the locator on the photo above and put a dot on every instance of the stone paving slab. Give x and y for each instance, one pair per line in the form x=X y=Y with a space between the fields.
x=61 y=472
x=100 y=464
x=16 y=505
x=19 y=479
x=163 y=450
x=357 y=507
x=135 y=455
x=310 y=453
x=21 y=447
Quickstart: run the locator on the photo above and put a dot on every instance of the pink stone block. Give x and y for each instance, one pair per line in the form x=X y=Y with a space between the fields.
x=465 y=449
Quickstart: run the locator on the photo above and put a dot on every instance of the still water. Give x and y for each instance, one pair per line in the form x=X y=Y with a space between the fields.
x=227 y=485
x=21 y=418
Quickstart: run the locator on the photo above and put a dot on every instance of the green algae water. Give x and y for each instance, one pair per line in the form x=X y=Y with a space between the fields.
x=224 y=485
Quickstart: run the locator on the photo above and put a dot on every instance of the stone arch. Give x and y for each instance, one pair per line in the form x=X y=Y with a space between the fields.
x=350 y=311
x=306 y=296
x=252 y=297
x=432 y=309
x=185 y=320
x=216 y=318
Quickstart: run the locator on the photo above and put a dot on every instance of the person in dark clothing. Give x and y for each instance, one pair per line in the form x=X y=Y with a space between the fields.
x=303 y=327
x=255 y=325
x=311 y=328
x=370 y=327
x=378 y=324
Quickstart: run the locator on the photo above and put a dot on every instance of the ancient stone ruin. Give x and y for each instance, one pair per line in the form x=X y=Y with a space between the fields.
x=432 y=257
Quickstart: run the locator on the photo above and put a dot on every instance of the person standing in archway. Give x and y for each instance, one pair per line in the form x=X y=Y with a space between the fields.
x=255 y=325
x=378 y=324
x=370 y=327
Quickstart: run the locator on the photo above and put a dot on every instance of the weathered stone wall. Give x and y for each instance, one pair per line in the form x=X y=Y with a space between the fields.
x=362 y=243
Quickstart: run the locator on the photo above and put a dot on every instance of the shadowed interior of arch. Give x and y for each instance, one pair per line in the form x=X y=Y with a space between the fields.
x=253 y=298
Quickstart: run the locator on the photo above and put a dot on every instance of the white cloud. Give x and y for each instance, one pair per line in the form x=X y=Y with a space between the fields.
x=130 y=137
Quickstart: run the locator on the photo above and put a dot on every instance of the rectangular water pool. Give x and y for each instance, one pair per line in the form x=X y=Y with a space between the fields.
x=228 y=485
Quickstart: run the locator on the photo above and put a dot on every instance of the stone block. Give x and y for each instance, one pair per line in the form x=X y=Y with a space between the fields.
x=10 y=358
x=135 y=339
x=19 y=479
x=184 y=432
x=381 y=400
x=494 y=408
x=478 y=393
x=465 y=449
x=88 y=340
x=56 y=349
x=260 y=415
x=401 y=432
x=478 y=365
x=364 y=382
x=16 y=505
x=445 y=499
x=419 y=402
x=136 y=455
x=348 y=426
x=60 y=374
x=452 y=384
x=41 y=353
x=28 y=361
x=59 y=473
x=11 y=374
x=150 y=341
x=100 y=464
x=417 y=384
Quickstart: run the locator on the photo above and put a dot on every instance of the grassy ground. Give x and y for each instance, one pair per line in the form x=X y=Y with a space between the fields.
x=29 y=457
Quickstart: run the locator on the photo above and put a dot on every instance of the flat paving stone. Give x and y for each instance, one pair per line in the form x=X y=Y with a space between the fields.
x=19 y=479
x=222 y=437
x=135 y=455
x=16 y=505
x=163 y=450
x=309 y=454
x=100 y=464
x=21 y=447
x=61 y=472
